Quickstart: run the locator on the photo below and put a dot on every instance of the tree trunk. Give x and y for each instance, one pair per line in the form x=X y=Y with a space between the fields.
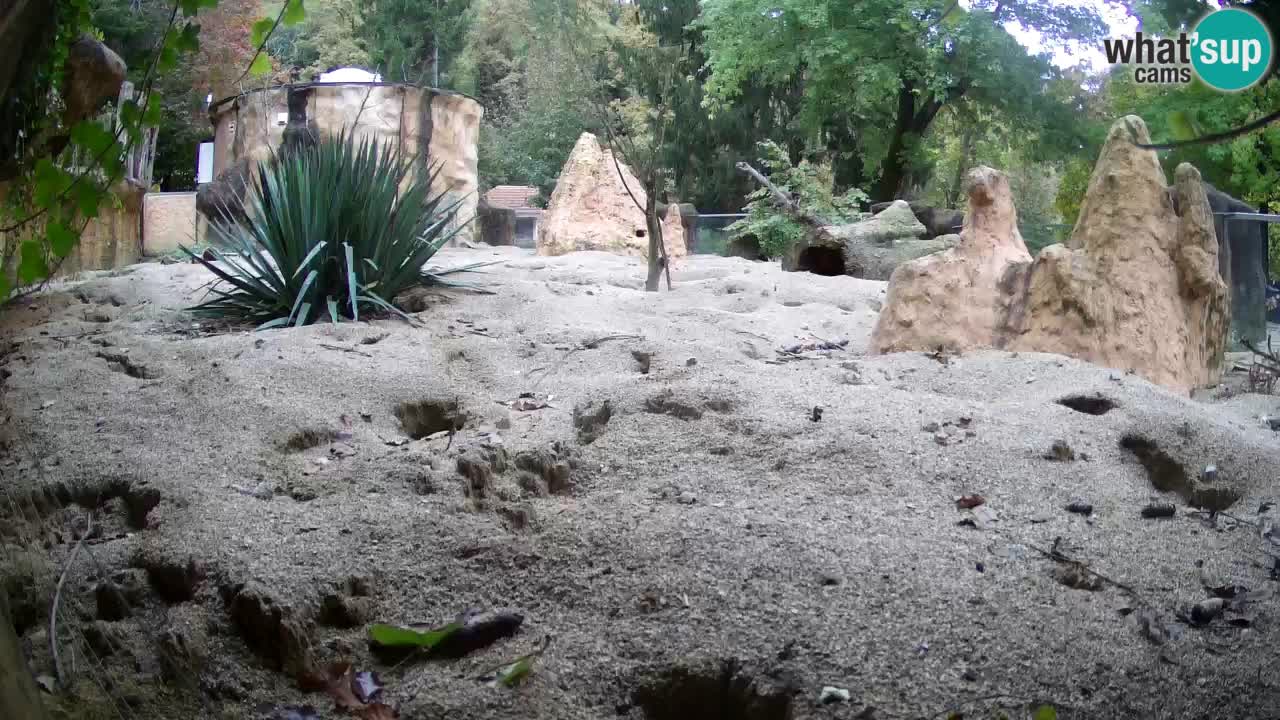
x=845 y=157
x=653 y=226
x=19 y=697
x=957 y=182
x=911 y=121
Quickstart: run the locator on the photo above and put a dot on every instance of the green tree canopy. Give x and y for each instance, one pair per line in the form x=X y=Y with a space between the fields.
x=877 y=73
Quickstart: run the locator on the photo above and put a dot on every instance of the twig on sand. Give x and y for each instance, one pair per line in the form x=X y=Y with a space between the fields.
x=1057 y=556
x=354 y=351
x=588 y=345
x=57 y=601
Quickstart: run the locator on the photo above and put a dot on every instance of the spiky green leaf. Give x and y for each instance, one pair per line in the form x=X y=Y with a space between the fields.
x=344 y=225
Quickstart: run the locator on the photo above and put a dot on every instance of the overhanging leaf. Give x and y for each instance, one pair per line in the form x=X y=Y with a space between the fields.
x=92 y=137
x=294 y=13
x=32 y=265
x=87 y=197
x=258 y=33
x=61 y=239
x=261 y=65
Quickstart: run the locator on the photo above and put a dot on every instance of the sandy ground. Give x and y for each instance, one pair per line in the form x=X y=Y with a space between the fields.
x=710 y=547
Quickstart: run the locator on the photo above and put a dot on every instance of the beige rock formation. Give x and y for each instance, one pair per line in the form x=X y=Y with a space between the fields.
x=591 y=209
x=960 y=298
x=1136 y=288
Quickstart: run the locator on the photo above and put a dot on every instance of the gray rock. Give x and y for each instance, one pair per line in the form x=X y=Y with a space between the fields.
x=831 y=695
x=869 y=248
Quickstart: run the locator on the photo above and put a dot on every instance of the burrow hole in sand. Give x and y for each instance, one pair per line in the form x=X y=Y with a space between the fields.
x=423 y=418
x=1168 y=475
x=712 y=693
x=1095 y=405
x=309 y=438
x=821 y=261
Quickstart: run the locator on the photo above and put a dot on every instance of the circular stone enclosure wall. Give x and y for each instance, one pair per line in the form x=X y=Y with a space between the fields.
x=435 y=126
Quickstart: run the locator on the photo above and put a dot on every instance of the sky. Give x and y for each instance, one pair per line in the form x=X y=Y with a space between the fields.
x=1118 y=18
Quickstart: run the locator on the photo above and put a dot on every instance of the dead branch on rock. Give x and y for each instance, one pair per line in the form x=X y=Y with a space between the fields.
x=57 y=601
x=783 y=200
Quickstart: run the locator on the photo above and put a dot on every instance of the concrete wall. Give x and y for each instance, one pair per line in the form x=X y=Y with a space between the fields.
x=429 y=124
x=170 y=220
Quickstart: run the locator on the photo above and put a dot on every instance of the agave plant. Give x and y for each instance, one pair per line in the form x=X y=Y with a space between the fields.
x=334 y=229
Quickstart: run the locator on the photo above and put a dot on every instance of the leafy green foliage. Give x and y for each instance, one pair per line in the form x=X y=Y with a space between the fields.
x=522 y=66
x=876 y=78
x=336 y=228
x=329 y=37
x=394 y=636
x=68 y=183
x=810 y=185
x=1246 y=167
x=404 y=36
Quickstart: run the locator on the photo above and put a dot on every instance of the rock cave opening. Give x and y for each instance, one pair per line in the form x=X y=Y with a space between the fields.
x=821 y=261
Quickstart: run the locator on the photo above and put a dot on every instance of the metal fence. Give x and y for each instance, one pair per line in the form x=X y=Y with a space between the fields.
x=1245 y=239
x=709 y=234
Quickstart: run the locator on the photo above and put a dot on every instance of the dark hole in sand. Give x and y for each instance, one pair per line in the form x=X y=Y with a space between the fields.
x=1096 y=405
x=639 y=233
x=713 y=693
x=309 y=438
x=424 y=418
x=821 y=261
x=1168 y=475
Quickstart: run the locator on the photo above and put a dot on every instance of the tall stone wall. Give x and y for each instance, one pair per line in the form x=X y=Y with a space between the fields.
x=434 y=126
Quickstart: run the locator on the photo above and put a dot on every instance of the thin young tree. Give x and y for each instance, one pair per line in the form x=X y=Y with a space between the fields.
x=628 y=80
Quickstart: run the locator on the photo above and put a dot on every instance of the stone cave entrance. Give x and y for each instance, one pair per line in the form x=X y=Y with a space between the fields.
x=821 y=261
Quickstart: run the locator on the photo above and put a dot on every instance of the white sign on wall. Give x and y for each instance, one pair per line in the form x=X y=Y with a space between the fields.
x=204 y=164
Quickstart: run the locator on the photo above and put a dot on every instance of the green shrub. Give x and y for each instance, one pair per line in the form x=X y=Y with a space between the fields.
x=810 y=184
x=334 y=229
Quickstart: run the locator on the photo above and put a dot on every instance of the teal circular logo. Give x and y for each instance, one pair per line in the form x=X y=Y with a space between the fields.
x=1231 y=49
